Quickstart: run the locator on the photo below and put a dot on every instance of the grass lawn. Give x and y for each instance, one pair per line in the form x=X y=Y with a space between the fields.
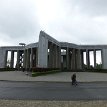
x=34 y=74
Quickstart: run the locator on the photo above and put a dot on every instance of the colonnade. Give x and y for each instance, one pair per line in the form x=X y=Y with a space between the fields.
x=19 y=61
x=74 y=58
x=94 y=56
x=30 y=58
x=25 y=58
x=46 y=53
x=54 y=56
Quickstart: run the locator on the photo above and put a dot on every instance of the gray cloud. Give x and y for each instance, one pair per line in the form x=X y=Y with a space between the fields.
x=84 y=22
x=76 y=21
x=91 y=7
x=18 y=20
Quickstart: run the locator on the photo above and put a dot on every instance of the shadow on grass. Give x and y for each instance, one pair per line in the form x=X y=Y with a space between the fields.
x=35 y=74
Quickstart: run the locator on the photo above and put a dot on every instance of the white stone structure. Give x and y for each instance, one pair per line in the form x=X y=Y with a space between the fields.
x=50 y=53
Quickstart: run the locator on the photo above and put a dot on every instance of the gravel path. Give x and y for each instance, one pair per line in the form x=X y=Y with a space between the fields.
x=25 y=103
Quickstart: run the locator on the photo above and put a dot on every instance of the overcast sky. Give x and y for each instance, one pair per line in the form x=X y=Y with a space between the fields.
x=75 y=21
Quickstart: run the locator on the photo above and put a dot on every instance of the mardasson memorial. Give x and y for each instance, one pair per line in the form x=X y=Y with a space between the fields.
x=50 y=53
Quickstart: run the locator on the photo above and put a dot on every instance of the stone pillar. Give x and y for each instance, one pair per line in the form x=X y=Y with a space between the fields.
x=36 y=57
x=82 y=59
x=59 y=57
x=101 y=59
x=28 y=59
x=73 y=59
x=12 y=60
x=79 y=62
x=2 y=57
x=5 y=61
x=31 y=63
x=50 y=55
x=95 y=59
x=54 y=56
x=18 y=59
x=43 y=51
x=70 y=60
x=76 y=58
x=24 y=59
x=87 y=59
x=67 y=58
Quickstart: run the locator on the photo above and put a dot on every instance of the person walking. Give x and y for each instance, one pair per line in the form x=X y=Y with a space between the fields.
x=73 y=78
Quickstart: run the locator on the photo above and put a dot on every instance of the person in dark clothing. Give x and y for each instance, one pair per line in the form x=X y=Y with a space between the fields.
x=23 y=69
x=73 y=77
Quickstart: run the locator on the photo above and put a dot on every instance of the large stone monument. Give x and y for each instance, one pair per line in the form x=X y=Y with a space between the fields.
x=50 y=53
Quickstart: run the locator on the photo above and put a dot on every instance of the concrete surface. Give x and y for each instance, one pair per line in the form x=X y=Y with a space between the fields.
x=53 y=91
x=65 y=77
x=60 y=77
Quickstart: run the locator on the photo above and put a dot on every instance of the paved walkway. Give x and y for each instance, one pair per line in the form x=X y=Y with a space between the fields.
x=61 y=77
x=58 y=77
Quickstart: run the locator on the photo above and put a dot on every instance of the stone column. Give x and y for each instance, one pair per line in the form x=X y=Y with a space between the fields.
x=76 y=59
x=31 y=63
x=50 y=55
x=101 y=59
x=56 y=50
x=73 y=59
x=54 y=56
x=36 y=56
x=87 y=59
x=104 y=58
x=95 y=59
x=79 y=62
x=70 y=60
x=59 y=57
x=2 y=57
x=43 y=51
x=82 y=59
x=12 y=59
x=67 y=58
x=24 y=59
x=18 y=59
x=28 y=58
x=5 y=63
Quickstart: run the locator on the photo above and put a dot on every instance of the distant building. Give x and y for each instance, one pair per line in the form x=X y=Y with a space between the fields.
x=50 y=53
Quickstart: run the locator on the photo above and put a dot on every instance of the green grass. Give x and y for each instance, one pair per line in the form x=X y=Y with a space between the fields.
x=35 y=74
x=97 y=70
